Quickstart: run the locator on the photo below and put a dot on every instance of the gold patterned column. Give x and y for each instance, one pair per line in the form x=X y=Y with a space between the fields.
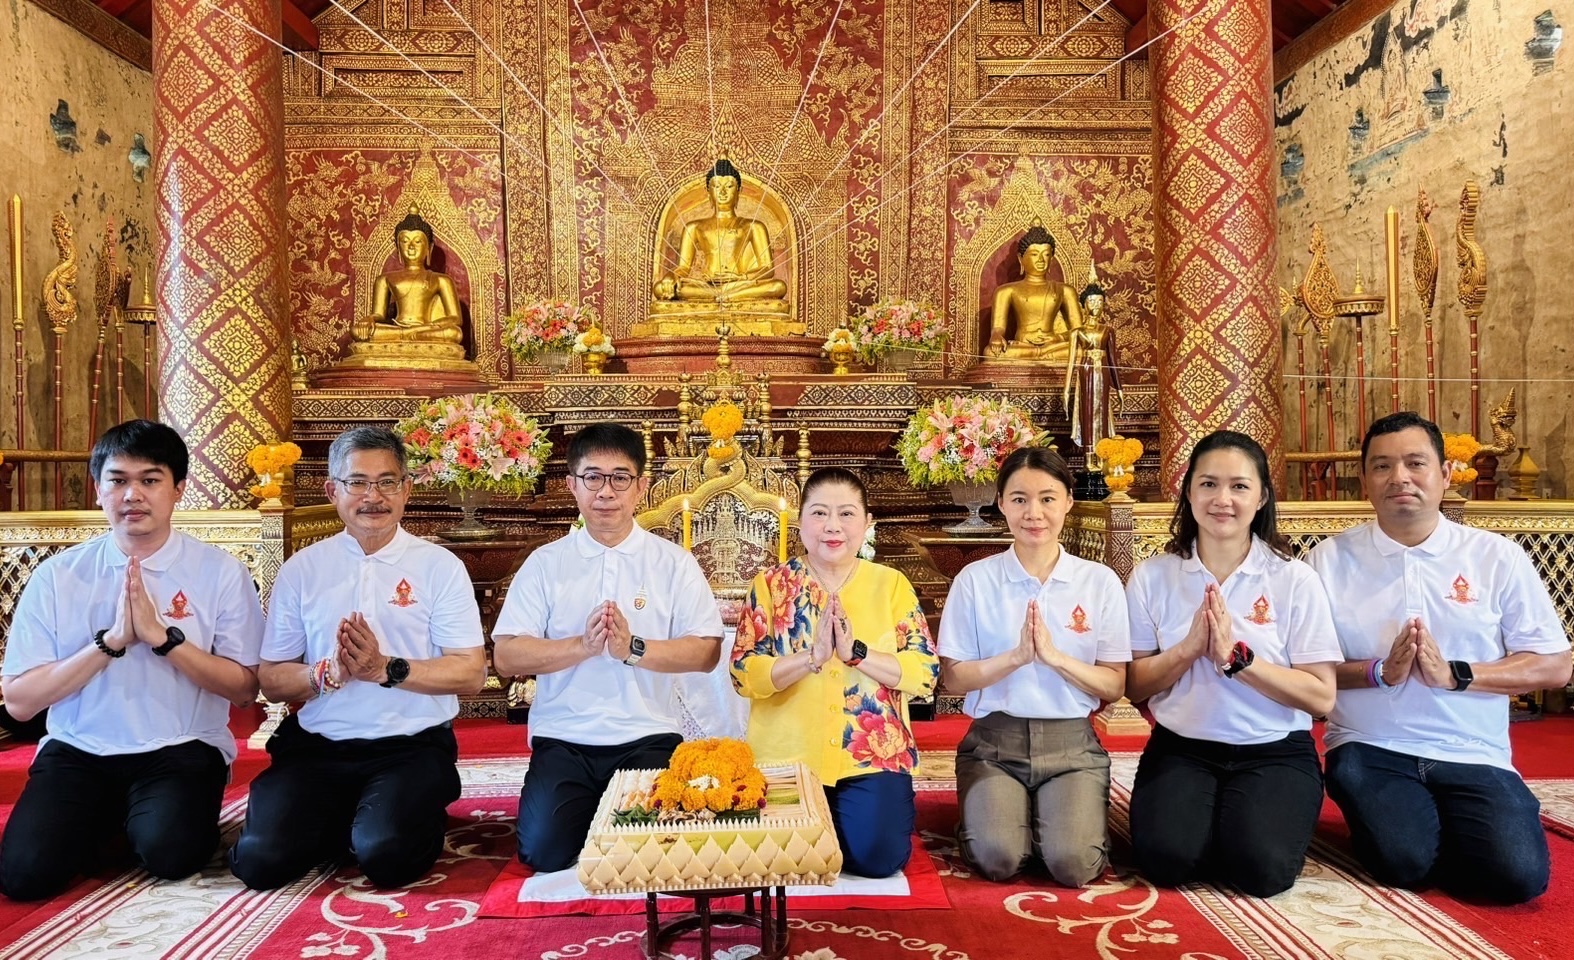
x=1215 y=228
x=219 y=112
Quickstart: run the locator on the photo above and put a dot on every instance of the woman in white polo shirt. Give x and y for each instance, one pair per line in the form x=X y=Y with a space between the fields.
x=1233 y=646
x=1035 y=638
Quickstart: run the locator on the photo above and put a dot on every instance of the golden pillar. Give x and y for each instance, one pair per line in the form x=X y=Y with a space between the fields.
x=1216 y=228
x=219 y=113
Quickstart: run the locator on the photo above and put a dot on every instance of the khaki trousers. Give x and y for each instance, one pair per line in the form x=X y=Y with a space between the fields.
x=1033 y=786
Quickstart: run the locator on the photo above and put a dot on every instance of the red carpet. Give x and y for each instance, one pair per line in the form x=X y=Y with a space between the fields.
x=1333 y=912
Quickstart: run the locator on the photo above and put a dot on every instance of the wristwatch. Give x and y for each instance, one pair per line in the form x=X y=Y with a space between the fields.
x=636 y=650
x=1463 y=675
x=1241 y=657
x=859 y=652
x=172 y=639
x=398 y=672
x=106 y=649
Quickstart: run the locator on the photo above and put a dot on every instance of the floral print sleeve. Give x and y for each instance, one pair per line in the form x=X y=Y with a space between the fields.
x=777 y=620
x=915 y=650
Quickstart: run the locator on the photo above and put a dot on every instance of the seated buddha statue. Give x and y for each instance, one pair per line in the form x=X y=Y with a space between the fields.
x=1046 y=312
x=412 y=304
x=724 y=267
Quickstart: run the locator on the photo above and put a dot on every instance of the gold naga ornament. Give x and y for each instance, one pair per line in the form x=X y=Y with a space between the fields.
x=1424 y=267
x=1472 y=288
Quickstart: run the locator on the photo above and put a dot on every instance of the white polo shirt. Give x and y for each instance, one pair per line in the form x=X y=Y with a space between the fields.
x=139 y=702
x=1081 y=602
x=1481 y=599
x=416 y=597
x=1276 y=606
x=662 y=592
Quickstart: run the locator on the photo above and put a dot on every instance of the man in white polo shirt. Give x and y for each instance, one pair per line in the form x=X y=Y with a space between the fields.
x=136 y=642
x=603 y=618
x=378 y=631
x=1440 y=625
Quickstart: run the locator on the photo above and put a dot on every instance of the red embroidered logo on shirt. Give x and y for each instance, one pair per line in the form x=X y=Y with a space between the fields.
x=1079 y=620
x=1461 y=592
x=402 y=596
x=177 y=607
x=1260 y=613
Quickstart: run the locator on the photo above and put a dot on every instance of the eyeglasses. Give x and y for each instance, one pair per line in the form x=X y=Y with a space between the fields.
x=595 y=481
x=387 y=486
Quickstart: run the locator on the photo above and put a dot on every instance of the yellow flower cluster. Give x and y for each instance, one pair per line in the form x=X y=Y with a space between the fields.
x=268 y=459
x=723 y=419
x=1119 y=451
x=1459 y=451
x=718 y=775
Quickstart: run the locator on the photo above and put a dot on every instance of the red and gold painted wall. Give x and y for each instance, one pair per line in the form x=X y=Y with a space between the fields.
x=926 y=141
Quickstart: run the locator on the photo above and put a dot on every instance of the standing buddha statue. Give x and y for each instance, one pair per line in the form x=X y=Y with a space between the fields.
x=1092 y=373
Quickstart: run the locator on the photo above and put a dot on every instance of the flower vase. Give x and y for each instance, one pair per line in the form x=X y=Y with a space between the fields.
x=973 y=496
x=554 y=361
x=899 y=360
x=470 y=526
x=595 y=363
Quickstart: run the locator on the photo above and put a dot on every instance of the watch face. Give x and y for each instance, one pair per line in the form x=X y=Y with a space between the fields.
x=398 y=669
x=637 y=645
x=174 y=634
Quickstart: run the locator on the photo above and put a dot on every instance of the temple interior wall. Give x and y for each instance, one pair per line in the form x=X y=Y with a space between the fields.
x=71 y=110
x=1425 y=97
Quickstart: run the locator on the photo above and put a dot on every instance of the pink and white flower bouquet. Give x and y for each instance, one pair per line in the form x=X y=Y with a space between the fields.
x=545 y=326
x=898 y=325
x=963 y=439
x=475 y=442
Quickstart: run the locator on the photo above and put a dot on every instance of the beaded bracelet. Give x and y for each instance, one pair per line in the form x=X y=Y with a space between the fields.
x=1376 y=675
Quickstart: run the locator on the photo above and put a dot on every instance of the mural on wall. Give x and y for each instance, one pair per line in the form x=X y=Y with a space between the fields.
x=1430 y=94
x=598 y=114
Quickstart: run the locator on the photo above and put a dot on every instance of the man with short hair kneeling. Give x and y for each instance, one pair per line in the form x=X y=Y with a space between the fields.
x=379 y=632
x=1440 y=625
x=137 y=642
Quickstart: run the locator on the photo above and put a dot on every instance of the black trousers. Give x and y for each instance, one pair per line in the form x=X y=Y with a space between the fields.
x=1242 y=815
x=564 y=784
x=166 y=801
x=385 y=801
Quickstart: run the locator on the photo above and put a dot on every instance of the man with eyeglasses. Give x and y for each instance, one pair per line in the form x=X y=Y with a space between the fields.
x=604 y=619
x=378 y=631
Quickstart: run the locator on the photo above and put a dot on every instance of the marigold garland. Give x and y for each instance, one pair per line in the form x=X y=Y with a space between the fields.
x=718 y=775
x=1459 y=451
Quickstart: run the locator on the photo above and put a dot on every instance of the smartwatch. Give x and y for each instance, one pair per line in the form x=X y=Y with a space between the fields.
x=859 y=652
x=1241 y=657
x=398 y=672
x=636 y=650
x=172 y=639
x=1463 y=675
x=106 y=649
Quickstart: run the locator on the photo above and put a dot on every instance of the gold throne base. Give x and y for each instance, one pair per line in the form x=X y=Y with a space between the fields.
x=673 y=354
x=415 y=366
x=689 y=318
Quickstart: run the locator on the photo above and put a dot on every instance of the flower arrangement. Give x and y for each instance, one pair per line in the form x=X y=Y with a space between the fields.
x=866 y=551
x=897 y=324
x=592 y=340
x=546 y=326
x=1119 y=454
x=705 y=779
x=722 y=421
x=268 y=460
x=841 y=346
x=475 y=442
x=963 y=439
x=1459 y=452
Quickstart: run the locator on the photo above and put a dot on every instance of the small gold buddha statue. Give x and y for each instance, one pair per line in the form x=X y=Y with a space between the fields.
x=413 y=304
x=725 y=268
x=1045 y=312
x=1092 y=374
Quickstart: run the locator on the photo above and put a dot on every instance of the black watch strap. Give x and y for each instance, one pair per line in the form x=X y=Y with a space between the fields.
x=106 y=649
x=398 y=672
x=173 y=637
x=1464 y=675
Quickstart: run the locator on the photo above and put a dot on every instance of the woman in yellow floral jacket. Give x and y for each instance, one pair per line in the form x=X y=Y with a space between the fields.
x=829 y=649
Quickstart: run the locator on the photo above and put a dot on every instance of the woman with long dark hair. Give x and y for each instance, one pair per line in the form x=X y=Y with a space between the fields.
x=1035 y=638
x=1234 y=648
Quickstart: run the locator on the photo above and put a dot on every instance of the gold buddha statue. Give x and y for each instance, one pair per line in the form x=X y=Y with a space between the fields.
x=415 y=322
x=1046 y=312
x=725 y=270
